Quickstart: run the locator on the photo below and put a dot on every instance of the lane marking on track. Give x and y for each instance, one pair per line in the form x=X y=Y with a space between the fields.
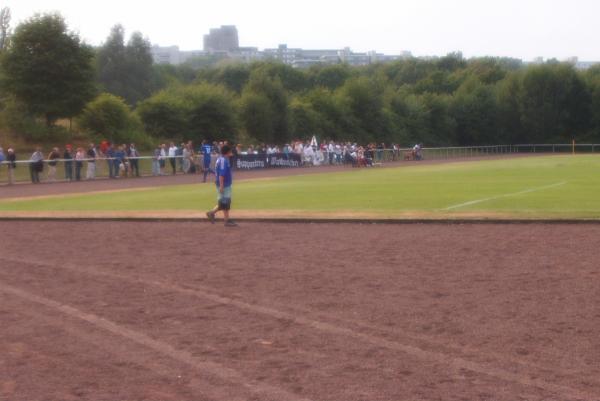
x=163 y=348
x=531 y=380
x=527 y=191
x=432 y=341
x=119 y=350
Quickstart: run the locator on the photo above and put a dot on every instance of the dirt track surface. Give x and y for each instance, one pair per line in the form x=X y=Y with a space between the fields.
x=157 y=311
x=63 y=188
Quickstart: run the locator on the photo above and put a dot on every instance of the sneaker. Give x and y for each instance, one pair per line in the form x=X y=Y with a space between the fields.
x=211 y=217
x=231 y=223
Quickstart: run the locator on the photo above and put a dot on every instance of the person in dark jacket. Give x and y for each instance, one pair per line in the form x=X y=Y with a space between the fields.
x=133 y=154
x=36 y=165
x=68 y=158
x=11 y=158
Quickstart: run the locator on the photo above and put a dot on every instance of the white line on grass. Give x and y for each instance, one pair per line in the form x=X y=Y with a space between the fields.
x=527 y=191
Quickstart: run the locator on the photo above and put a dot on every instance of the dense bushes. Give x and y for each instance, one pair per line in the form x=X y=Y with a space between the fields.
x=445 y=101
x=109 y=117
x=194 y=112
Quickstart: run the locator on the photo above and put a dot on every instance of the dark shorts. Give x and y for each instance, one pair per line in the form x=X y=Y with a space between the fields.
x=224 y=199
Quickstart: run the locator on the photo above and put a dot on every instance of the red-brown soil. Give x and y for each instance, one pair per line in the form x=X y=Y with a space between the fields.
x=190 y=311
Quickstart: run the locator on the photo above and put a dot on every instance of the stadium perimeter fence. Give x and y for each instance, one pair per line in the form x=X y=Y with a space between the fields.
x=380 y=156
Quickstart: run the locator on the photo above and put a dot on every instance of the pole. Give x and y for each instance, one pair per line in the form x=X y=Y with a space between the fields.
x=573 y=147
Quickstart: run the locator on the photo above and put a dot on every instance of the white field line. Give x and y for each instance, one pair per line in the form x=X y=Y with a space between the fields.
x=527 y=191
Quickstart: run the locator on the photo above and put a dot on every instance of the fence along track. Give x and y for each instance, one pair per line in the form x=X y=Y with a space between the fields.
x=380 y=156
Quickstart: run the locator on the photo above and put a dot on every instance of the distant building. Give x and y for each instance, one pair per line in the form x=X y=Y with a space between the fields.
x=584 y=65
x=223 y=39
x=223 y=43
x=172 y=55
x=284 y=54
x=581 y=65
x=166 y=55
x=538 y=60
x=185 y=56
x=247 y=54
x=574 y=61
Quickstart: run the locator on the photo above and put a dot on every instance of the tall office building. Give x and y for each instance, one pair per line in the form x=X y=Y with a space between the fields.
x=223 y=39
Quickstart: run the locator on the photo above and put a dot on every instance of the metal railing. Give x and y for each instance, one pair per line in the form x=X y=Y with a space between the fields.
x=147 y=164
x=557 y=148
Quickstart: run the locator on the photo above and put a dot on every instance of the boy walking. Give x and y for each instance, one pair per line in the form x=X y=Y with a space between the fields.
x=224 y=182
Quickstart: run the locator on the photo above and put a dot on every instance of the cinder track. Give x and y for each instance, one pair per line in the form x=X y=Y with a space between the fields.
x=154 y=310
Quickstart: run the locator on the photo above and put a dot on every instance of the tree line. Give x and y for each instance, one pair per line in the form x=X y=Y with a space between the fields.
x=115 y=92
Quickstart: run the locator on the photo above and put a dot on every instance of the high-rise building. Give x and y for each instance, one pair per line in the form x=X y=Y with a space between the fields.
x=223 y=39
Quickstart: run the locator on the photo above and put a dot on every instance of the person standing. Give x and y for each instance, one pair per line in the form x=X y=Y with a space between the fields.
x=156 y=161
x=186 y=158
x=173 y=157
x=119 y=162
x=206 y=159
x=109 y=153
x=91 y=155
x=162 y=160
x=79 y=157
x=179 y=154
x=68 y=158
x=36 y=165
x=134 y=161
x=53 y=157
x=330 y=152
x=224 y=183
x=11 y=158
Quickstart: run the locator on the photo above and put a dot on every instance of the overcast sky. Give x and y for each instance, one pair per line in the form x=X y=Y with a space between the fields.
x=515 y=28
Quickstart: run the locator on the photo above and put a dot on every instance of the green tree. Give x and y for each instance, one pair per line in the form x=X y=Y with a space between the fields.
x=330 y=77
x=48 y=68
x=109 y=117
x=304 y=120
x=4 y=27
x=267 y=96
x=291 y=79
x=210 y=112
x=474 y=109
x=166 y=75
x=195 y=112
x=411 y=118
x=164 y=114
x=257 y=116
x=319 y=113
x=139 y=68
x=363 y=101
x=555 y=103
x=233 y=76
x=126 y=70
x=510 y=123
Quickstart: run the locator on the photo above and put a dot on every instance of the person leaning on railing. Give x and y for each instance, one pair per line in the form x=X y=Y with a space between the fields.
x=79 y=158
x=36 y=165
x=134 y=162
x=92 y=155
x=53 y=156
x=11 y=158
x=68 y=158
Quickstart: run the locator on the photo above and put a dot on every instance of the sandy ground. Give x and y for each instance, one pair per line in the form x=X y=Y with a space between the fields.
x=190 y=311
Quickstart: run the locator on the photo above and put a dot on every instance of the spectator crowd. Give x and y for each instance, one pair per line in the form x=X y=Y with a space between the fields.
x=124 y=160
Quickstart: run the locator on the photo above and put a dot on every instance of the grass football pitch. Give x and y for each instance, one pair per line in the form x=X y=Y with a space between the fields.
x=561 y=187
